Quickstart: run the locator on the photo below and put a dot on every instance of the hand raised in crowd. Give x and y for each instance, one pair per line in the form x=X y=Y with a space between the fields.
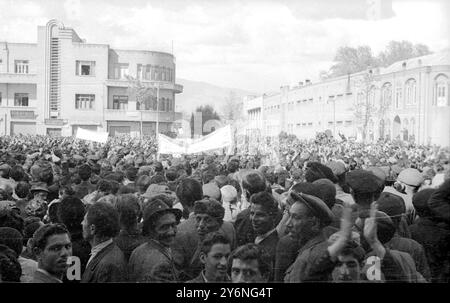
x=370 y=232
x=340 y=239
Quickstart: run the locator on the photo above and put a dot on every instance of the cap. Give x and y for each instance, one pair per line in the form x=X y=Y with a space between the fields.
x=338 y=168
x=362 y=181
x=156 y=189
x=156 y=207
x=316 y=205
x=211 y=190
x=411 y=177
x=391 y=204
x=229 y=193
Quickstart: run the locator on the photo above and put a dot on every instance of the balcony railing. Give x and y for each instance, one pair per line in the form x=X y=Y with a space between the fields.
x=135 y=115
x=163 y=84
x=18 y=78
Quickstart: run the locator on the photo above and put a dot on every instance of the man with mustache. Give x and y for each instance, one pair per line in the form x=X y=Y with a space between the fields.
x=52 y=246
x=153 y=260
x=214 y=254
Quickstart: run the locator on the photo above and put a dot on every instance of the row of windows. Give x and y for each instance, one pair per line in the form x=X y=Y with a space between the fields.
x=20 y=99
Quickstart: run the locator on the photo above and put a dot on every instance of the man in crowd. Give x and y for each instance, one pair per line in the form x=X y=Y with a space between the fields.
x=107 y=262
x=52 y=247
x=214 y=254
x=153 y=261
x=250 y=264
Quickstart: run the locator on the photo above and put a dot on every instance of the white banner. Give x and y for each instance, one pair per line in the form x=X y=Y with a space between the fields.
x=171 y=146
x=219 y=139
x=90 y=135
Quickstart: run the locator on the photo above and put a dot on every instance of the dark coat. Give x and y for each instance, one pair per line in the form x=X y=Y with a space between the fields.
x=415 y=250
x=286 y=253
x=244 y=229
x=269 y=244
x=439 y=202
x=40 y=277
x=108 y=265
x=83 y=189
x=151 y=262
x=308 y=255
x=128 y=242
x=435 y=239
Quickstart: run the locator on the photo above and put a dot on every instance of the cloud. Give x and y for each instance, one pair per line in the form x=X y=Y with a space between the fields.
x=253 y=45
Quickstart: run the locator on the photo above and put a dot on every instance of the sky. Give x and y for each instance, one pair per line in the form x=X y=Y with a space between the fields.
x=255 y=45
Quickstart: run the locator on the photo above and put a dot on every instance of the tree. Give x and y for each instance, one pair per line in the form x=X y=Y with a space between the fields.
x=208 y=113
x=351 y=60
x=143 y=94
x=365 y=108
x=401 y=50
x=232 y=107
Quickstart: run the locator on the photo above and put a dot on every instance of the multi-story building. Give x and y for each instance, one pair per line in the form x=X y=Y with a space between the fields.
x=408 y=100
x=62 y=83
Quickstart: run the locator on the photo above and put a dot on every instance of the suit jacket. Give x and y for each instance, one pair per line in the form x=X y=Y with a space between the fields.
x=151 y=262
x=286 y=252
x=108 y=265
x=186 y=247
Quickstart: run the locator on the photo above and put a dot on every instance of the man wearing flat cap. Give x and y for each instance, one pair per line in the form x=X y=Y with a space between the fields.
x=153 y=261
x=365 y=187
x=308 y=216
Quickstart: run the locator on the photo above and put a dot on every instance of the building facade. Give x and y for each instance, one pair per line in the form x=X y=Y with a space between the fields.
x=408 y=100
x=62 y=83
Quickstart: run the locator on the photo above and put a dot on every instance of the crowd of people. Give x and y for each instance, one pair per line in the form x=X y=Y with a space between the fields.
x=296 y=211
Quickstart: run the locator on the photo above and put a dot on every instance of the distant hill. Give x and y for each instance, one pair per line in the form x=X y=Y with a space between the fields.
x=200 y=93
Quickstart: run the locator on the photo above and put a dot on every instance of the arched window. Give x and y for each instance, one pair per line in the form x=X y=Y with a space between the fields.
x=441 y=88
x=398 y=97
x=410 y=92
x=386 y=95
x=413 y=127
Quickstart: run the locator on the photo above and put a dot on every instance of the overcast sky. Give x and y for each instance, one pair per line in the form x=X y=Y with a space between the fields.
x=252 y=45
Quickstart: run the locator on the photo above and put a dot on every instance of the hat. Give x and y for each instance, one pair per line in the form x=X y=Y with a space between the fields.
x=338 y=168
x=229 y=193
x=327 y=190
x=156 y=189
x=391 y=204
x=363 y=182
x=411 y=177
x=211 y=190
x=378 y=172
x=156 y=207
x=210 y=207
x=39 y=187
x=420 y=200
x=316 y=205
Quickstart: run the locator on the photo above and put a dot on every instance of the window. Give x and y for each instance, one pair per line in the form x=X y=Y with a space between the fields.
x=121 y=71
x=148 y=72
x=120 y=102
x=441 y=91
x=410 y=92
x=139 y=74
x=85 y=68
x=348 y=123
x=386 y=95
x=84 y=101
x=0 y=98
x=398 y=97
x=20 y=99
x=21 y=66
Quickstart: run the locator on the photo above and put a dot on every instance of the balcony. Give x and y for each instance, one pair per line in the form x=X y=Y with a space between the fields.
x=18 y=78
x=147 y=115
x=163 y=84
